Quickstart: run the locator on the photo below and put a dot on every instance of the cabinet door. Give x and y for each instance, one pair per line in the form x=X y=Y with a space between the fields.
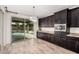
x=39 y=35
x=63 y=16
x=45 y=22
x=45 y=37
x=71 y=43
x=49 y=21
x=57 y=18
x=57 y=40
x=52 y=21
x=63 y=42
x=39 y=21
x=52 y=38
x=48 y=38
x=75 y=17
x=77 y=45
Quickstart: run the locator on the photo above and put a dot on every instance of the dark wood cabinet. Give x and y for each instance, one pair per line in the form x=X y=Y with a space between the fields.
x=60 y=38
x=47 y=21
x=57 y=18
x=69 y=17
x=61 y=17
x=40 y=35
x=45 y=36
x=77 y=46
x=52 y=38
x=71 y=43
x=75 y=17
x=52 y=20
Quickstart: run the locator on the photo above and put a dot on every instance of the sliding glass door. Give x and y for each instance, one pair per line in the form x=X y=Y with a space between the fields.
x=17 y=29
x=29 y=29
x=22 y=29
x=22 y=34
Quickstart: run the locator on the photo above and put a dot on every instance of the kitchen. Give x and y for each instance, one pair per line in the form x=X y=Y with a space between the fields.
x=65 y=25
x=55 y=29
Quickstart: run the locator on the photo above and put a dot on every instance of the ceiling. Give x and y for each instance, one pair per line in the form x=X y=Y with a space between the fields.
x=40 y=10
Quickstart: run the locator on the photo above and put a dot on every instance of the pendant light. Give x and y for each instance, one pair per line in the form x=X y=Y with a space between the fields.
x=33 y=18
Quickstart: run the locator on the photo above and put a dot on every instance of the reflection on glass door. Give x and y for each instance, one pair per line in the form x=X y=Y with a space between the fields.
x=22 y=29
x=29 y=29
x=17 y=29
x=22 y=34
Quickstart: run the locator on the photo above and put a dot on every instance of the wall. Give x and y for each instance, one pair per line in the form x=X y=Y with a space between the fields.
x=35 y=28
x=6 y=29
x=1 y=29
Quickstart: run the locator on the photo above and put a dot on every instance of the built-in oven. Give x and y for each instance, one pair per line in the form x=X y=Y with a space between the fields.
x=60 y=27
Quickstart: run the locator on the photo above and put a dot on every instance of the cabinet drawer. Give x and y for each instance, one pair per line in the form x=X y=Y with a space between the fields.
x=71 y=43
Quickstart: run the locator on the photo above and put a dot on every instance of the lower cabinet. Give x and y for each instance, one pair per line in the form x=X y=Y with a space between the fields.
x=70 y=43
x=52 y=38
x=63 y=42
x=73 y=44
x=40 y=35
x=57 y=40
x=45 y=36
x=77 y=46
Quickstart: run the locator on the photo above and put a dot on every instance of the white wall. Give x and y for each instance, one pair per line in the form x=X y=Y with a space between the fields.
x=1 y=29
x=7 y=29
x=35 y=28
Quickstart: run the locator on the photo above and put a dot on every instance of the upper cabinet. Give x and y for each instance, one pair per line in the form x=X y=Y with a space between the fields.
x=66 y=16
x=61 y=17
x=75 y=17
x=47 y=21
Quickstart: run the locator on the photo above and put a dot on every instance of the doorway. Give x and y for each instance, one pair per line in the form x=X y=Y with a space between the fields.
x=22 y=29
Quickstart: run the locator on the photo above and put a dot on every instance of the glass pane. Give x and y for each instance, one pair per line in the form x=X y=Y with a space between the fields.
x=17 y=45
x=29 y=29
x=17 y=29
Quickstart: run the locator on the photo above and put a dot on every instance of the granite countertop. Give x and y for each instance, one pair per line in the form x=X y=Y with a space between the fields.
x=49 y=32
x=73 y=34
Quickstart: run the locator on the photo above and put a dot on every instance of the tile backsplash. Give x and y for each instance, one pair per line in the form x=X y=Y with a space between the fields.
x=74 y=30
x=48 y=29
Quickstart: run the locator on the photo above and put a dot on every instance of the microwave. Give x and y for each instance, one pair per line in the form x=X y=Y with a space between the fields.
x=60 y=27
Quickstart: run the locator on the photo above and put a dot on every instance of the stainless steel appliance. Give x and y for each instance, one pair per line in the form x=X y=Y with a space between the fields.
x=60 y=27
